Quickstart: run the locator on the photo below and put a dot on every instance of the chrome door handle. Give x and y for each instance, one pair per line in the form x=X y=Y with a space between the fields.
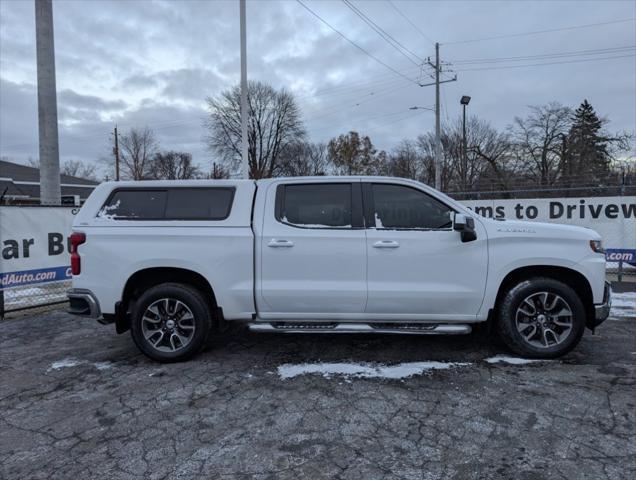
x=275 y=243
x=386 y=244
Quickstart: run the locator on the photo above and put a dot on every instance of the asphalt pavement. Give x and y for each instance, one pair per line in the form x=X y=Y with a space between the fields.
x=78 y=401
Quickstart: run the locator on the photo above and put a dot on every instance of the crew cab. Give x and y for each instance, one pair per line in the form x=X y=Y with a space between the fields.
x=172 y=261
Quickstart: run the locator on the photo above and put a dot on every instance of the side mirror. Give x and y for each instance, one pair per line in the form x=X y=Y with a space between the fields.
x=465 y=226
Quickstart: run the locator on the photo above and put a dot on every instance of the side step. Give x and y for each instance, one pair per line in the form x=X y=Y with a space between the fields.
x=401 y=328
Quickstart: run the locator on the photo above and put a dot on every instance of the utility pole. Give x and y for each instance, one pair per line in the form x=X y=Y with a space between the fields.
x=244 y=171
x=438 y=135
x=50 y=191
x=116 y=151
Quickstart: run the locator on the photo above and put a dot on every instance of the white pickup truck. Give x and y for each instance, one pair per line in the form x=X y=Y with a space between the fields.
x=173 y=260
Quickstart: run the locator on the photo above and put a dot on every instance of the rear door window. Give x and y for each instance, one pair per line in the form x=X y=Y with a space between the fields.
x=321 y=205
x=169 y=204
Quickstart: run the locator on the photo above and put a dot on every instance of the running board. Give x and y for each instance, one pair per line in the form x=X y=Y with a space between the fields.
x=400 y=328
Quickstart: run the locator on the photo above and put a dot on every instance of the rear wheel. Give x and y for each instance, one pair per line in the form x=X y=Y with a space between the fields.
x=541 y=318
x=170 y=322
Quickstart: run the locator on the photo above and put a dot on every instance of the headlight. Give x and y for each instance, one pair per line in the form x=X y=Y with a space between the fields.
x=597 y=246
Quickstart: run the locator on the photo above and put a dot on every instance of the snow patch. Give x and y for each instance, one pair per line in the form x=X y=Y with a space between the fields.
x=65 y=363
x=401 y=370
x=102 y=365
x=510 y=360
x=623 y=305
x=106 y=209
x=74 y=362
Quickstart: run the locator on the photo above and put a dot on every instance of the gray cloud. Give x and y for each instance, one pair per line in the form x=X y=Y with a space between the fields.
x=139 y=63
x=74 y=100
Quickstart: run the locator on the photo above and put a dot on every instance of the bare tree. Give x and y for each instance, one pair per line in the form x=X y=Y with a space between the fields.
x=136 y=150
x=173 y=166
x=406 y=161
x=218 y=172
x=78 y=168
x=426 y=145
x=274 y=123
x=539 y=141
x=304 y=159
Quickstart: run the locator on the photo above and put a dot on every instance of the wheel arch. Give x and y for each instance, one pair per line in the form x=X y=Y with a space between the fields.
x=573 y=278
x=146 y=278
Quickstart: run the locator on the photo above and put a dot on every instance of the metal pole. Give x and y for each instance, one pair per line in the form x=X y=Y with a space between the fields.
x=244 y=171
x=438 y=140
x=464 y=136
x=116 y=155
x=50 y=191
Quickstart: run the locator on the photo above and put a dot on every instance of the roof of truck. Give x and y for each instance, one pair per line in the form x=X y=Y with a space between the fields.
x=264 y=181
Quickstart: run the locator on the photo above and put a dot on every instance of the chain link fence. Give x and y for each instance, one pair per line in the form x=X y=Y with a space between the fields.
x=29 y=297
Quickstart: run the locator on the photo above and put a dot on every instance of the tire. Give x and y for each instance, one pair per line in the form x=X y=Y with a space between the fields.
x=541 y=318
x=170 y=322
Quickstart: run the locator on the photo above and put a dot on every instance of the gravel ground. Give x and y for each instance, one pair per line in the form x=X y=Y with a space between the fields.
x=79 y=401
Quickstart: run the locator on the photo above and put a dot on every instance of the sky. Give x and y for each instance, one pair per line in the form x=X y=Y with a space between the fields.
x=153 y=63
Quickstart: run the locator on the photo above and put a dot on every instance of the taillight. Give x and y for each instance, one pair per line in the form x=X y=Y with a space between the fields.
x=77 y=238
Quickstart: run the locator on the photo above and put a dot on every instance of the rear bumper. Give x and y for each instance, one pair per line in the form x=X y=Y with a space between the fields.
x=602 y=310
x=83 y=303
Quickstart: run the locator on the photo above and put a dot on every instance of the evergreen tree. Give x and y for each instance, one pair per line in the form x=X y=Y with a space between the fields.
x=586 y=155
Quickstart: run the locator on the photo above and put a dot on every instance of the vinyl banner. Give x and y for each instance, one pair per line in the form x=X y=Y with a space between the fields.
x=34 y=245
x=614 y=218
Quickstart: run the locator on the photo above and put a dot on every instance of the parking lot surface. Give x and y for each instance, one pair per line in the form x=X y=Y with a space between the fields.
x=78 y=401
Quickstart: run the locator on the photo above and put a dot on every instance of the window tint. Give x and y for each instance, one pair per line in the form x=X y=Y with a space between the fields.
x=169 y=204
x=199 y=203
x=398 y=206
x=316 y=205
x=132 y=204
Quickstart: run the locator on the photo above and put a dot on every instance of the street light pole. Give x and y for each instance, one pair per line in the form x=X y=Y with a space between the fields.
x=465 y=100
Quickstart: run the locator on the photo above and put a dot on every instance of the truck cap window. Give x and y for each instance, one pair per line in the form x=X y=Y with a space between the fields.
x=321 y=205
x=169 y=204
x=402 y=207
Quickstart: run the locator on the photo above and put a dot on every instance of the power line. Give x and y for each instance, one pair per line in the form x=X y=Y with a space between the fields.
x=330 y=110
x=545 y=63
x=575 y=53
x=380 y=80
x=354 y=43
x=383 y=34
x=410 y=22
x=538 y=32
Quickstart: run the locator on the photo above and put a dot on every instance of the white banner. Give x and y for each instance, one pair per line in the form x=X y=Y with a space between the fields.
x=612 y=217
x=34 y=244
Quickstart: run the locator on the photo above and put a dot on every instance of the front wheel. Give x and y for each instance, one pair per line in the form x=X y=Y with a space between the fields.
x=170 y=322
x=541 y=318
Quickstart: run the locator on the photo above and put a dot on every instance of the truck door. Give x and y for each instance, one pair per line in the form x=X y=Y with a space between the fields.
x=417 y=264
x=312 y=251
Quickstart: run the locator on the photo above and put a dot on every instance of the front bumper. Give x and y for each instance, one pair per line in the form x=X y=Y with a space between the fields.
x=83 y=303
x=601 y=311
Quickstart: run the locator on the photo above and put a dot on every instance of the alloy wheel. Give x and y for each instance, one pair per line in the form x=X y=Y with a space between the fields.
x=544 y=319
x=168 y=325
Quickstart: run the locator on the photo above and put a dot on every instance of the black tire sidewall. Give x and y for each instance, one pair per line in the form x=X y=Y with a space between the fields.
x=507 y=327
x=195 y=302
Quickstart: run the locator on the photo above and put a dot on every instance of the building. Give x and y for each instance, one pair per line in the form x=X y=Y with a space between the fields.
x=20 y=184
